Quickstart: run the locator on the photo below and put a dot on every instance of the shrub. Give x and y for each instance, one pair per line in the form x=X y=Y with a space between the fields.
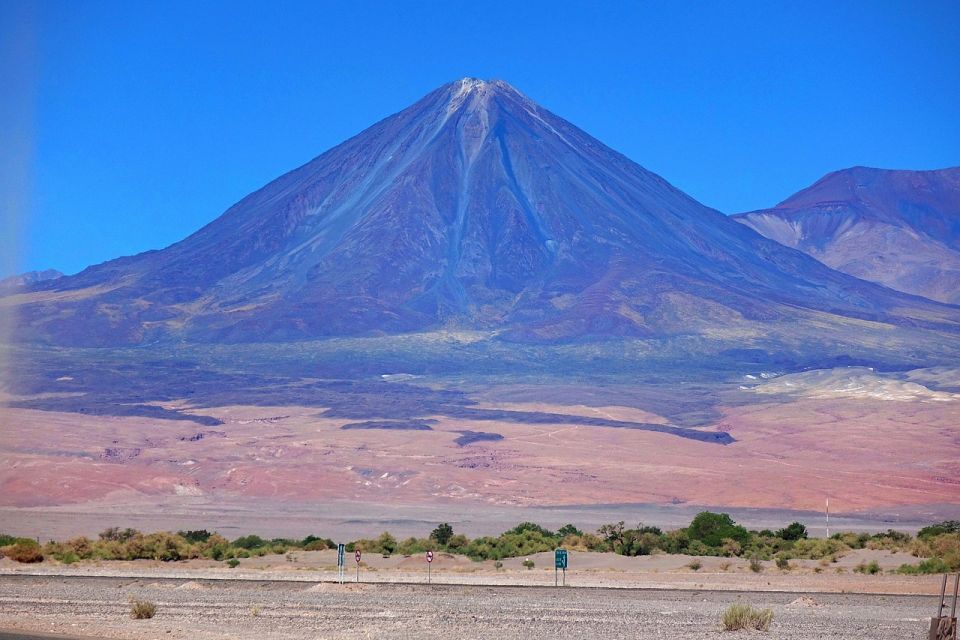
x=783 y=563
x=498 y=565
x=414 y=546
x=739 y=616
x=933 y=565
x=250 y=542
x=442 y=534
x=142 y=609
x=116 y=534
x=200 y=535
x=695 y=565
x=872 y=568
x=26 y=551
x=524 y=527
x=676 y=541
x=315 y=543
x=731 y=548
x=724 y=566
x=889 y=541
x=568 y=530
x=793 y=531
x=233 y=563
x=755 y=565
x=712 y=528
x=950 y=526
x=818 y=548
x=528 y=563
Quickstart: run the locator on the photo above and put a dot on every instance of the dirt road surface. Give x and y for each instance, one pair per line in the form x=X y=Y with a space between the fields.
x=98 y=607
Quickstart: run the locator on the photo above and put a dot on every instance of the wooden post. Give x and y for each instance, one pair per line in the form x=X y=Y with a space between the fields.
x=956 y=589
x=945 y=627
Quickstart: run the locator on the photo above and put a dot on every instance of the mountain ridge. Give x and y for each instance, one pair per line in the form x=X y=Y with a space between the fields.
x=899 y=228
x=473 y=208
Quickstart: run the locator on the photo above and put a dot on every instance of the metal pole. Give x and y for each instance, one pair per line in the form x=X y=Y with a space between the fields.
x=358 y=572
x=429 y=565
x=555 y=575
x=956 y=588
x=943 y=593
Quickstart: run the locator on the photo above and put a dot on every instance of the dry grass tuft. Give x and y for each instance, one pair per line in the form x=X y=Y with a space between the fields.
x=142 y=609
x=743 y=616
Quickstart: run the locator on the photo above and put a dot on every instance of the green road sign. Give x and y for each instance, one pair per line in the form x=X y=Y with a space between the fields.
x=560 y=559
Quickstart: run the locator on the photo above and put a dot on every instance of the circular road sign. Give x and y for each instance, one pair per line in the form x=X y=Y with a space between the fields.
x=357 y=556
x=429 y=556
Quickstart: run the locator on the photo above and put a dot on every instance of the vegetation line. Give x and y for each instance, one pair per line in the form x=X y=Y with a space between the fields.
x=709 y=534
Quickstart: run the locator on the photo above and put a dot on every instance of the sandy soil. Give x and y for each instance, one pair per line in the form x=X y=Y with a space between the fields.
x=789 y=454
x=194 y=609
x=587 y=569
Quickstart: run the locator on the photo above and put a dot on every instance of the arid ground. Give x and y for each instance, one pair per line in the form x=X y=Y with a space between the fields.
x=608 y=596
x=884 y=451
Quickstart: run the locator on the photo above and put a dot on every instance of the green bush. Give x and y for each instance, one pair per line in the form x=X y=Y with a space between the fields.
x=949 y=526
x=442 y=534
x=250 y=542
x=712 y=528
x=233 y=563
x=931 y=566
x=871 y=568
x=201 y=535
x=695 y=565
x=793 y=531
x=817 y=549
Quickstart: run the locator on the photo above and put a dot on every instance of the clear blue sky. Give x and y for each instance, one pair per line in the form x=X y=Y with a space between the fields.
x=137 y=122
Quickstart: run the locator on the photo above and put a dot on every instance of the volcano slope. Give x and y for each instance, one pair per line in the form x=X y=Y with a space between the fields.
x=513 y=314
x=476 y=209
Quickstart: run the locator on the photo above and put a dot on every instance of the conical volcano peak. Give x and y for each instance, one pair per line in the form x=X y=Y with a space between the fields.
x=474 y=208
x=476 y=94
x=468 y=85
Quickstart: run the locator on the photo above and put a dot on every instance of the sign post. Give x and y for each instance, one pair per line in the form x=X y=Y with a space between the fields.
x=429 y=563
x=560 y=562
x=340 y=562
x=357 y=556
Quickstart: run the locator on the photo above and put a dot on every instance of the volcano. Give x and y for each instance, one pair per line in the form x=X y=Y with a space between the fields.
x=475 y=208
x=898 y=228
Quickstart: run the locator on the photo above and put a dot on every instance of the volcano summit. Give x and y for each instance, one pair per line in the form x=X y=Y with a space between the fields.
x=475 y=208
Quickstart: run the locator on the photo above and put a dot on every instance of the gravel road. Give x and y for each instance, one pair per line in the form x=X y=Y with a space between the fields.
x=99 y=607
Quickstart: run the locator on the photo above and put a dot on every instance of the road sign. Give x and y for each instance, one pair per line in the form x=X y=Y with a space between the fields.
x=357 y=556
x=559 y=562
x=340 y=562
x=429 y=556
x=429 y=564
